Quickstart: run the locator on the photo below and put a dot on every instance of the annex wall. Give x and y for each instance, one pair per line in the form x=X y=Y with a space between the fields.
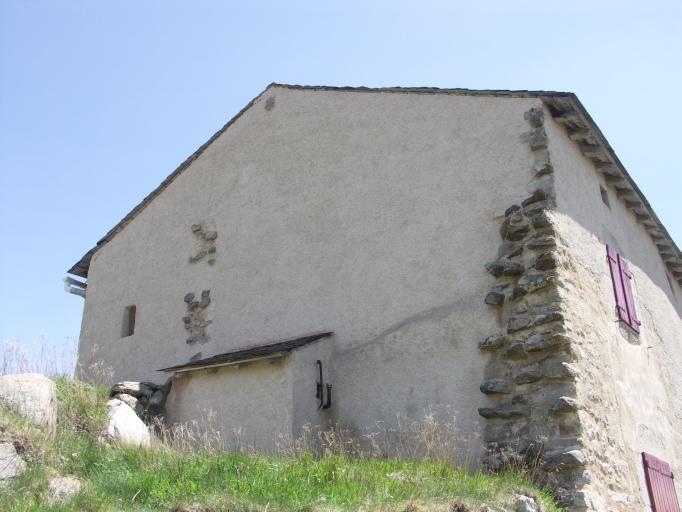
x=628 y=385
x=368 y=214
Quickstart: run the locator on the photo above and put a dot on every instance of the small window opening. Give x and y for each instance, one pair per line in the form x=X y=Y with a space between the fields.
x=604 y=196
x=129 y=321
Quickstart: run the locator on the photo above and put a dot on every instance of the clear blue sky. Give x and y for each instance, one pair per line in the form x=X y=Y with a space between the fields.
x=99 y=101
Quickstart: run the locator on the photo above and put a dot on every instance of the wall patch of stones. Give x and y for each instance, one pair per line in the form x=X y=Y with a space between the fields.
x=206 y=240
x=195 y=321
x=532 y=411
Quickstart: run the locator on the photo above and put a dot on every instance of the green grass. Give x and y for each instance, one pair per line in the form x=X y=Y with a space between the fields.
x=161 y=478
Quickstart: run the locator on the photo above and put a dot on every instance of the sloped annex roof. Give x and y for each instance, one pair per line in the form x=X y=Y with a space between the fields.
x=241 y=355
x=565 y=108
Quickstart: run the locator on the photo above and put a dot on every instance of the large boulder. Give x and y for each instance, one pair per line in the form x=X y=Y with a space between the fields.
x=124 y=426
x=11 y=465
x=31 y=395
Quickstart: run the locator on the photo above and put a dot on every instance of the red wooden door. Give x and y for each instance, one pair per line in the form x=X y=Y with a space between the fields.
x=661 y=484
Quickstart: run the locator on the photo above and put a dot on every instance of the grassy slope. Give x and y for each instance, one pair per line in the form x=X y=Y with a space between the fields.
x=161 y=478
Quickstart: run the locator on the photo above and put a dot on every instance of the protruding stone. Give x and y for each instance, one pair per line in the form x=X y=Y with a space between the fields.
x=509 y=250
x=503 y=412
x=205 y=299
x=516 y=351
x=546 y=261
x=504 y=268
x=513 y=208
x=210 y=234
x=537 y=196
x=189 y=297
x=560 y=460
x=544 y=341
x=542 y=164
x=514 y=227
x=494 y=386
x=186 y=320
x=540 y=220
x=535 y=117
x=534 y=318
x=528 y=375
x=494 y=298
x=212 y=249
x=537 y=139
x=198 y=256
x=533 y=282
x=564 y=404
x=492 y=342
x=196 y=228
x=541 y=241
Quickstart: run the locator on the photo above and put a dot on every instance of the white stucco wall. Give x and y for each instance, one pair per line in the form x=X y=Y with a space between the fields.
x=245 y=406
x=367 y=214
x=629 y=386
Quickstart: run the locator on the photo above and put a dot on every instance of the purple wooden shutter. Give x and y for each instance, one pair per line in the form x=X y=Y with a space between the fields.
x=661 y=484
x=614 y=265
x=626 y=277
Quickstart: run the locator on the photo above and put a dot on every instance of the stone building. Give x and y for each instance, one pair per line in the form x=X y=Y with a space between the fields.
x=364 y=256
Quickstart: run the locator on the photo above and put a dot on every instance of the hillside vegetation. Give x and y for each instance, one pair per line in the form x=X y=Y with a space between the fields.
x=166 y=477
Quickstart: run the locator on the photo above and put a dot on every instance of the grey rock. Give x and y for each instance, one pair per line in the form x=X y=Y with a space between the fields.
x=542 y=164
x=205 y=299
x=30 y=395
x=564 y=404
x=540 y=220
x=186 y=320
x=61 y=489
x=210 y=234
x=537 y=196
x=11 y=465
x=528 y=375
x=124 y=426
x=136 y=389
x=537 y=139
x=525 y=504
x=559 y=460
x=535 y=117
x=189 y=297
x=492 y=342
x=504 y=268
x=546 y=261
x=494 y=386
x=503 y=412
x=531 y=283
x=533 y=318
x=129 y=400
x=513 y=208
x=541 y=241
x=212 y=249
x=494 y=298
x=514 y=231
x=545 y=340
x=509 y=250
x=195 y=228
x=516 y=351
x=198 y=256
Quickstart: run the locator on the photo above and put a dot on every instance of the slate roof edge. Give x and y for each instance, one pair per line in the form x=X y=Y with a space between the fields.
x=549 y=97
x=249 y=353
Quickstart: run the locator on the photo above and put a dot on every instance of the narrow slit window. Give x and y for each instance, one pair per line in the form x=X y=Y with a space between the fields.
x=604 y=196
x=129 y=321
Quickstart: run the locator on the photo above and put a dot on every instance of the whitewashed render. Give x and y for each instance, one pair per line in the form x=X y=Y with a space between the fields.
x=453 y=241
